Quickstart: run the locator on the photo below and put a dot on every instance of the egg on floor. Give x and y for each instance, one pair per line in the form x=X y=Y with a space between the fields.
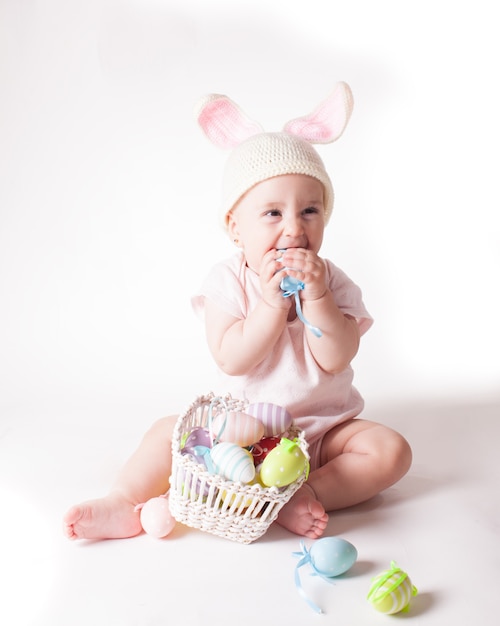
x=391 y=591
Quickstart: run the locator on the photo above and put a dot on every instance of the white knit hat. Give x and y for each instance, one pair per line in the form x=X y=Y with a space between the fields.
x=258 y=156
x=267 y=155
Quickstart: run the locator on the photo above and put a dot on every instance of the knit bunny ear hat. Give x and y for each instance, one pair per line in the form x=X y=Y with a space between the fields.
x=257 y=155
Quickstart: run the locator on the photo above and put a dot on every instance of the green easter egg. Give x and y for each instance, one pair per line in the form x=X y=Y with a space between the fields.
x=283 y=465
x=391 y=591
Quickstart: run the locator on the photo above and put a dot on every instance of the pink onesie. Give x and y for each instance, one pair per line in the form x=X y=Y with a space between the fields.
x=289 y=375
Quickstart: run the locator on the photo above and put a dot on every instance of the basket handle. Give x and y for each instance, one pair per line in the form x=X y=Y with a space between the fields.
x=216 y=437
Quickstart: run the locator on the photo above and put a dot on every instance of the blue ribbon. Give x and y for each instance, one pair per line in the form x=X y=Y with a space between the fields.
x=291 y=287
x=305 y=558
x=204 y=452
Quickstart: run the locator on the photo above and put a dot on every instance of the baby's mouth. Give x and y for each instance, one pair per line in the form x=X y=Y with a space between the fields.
x=283 y=249
x=299 y=242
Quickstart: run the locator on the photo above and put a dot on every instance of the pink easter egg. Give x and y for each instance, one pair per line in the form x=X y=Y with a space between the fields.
x=156 y=519
x=238 y=428
x=276 y=419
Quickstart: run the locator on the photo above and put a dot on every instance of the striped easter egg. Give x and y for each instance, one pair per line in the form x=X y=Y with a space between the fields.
x=276 y=419
x=391 y=591
x=233 y=462
x=238 y=428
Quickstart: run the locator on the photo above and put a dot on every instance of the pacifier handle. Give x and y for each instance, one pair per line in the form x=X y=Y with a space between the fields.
x=291 y=287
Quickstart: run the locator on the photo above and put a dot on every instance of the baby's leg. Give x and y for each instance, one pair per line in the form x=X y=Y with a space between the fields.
x=358 y=460
x=144 y=476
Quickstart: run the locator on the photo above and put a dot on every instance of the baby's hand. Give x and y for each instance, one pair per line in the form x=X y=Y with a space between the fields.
x=271 y=273
x=307 y=266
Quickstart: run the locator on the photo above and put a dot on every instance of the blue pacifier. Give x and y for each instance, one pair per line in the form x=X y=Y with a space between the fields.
x=291 y=287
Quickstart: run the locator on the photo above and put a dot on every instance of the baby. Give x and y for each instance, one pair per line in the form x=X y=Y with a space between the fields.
x=277 y=200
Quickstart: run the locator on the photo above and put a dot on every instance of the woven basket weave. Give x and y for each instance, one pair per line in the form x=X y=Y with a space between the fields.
x=212 y=503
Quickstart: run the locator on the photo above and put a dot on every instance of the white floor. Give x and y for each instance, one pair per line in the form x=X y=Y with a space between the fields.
x=441 y=524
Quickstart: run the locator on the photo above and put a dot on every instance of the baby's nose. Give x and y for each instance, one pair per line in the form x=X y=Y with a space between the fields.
x=293 y=226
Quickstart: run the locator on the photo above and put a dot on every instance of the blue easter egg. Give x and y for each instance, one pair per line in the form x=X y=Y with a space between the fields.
x=332 y=556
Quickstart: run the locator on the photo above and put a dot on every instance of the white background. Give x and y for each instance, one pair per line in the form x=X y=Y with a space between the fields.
x=109 y=191
x=108 y=204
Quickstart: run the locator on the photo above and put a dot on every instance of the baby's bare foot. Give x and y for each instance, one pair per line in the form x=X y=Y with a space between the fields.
x=112 y=517
x=304 y=514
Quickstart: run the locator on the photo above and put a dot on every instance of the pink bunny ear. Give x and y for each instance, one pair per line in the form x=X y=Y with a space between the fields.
x=224 y=123
x=328 y=121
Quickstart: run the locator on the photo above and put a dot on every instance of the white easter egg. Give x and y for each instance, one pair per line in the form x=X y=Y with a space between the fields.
x=237 y=427
x=233 y=462
x=276 y=419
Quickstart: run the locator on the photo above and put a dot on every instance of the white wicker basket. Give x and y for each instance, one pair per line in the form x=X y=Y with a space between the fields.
x=213 y=504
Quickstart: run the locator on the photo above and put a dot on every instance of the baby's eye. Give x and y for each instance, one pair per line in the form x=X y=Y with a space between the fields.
x=311 y=210
x=273 y=213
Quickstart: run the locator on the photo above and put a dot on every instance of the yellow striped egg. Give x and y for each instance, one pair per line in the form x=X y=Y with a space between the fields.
x=276 y=419
x=233 y=462
x=239 y=499
x=391 y=591
x=238 y=428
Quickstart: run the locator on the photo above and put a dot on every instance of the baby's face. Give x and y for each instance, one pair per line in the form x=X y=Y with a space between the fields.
x=281 y=212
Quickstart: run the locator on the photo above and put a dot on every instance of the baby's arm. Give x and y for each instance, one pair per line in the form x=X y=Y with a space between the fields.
x=339 y=343
x=238 y=345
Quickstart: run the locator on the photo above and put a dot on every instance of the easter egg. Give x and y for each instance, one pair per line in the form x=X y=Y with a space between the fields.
x=238 y=499
x=156 y=519
x=197 y=437
x=391 y=591
x=332 y=556
x=283 y=465
x=233 y=462
x=328 y=557
x=262 y=448
x=189 y=481
x=276 y=419
x=258 y=479
x=238 y=428
x=196 y=440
